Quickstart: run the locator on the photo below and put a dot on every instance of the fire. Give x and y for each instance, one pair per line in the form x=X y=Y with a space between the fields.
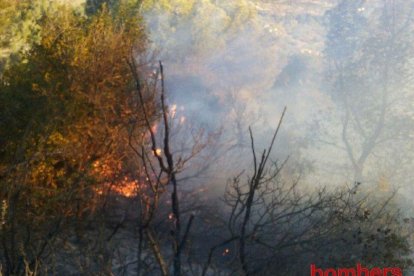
x=125 y=187
x=226 y=252
x=106 y=171
x=158 y=152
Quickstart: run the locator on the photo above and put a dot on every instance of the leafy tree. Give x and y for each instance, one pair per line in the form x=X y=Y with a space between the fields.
x=66 y=114
x=183 y=27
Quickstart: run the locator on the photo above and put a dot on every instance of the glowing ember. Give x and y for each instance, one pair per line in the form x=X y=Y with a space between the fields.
x=170 y=216
x=226 y=252
x=154 y=128
x=182 y=120
x=158 y=152
x=173 y=110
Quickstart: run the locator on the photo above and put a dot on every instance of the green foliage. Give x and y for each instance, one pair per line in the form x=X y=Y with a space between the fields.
x=183 y=27
x=18 y=27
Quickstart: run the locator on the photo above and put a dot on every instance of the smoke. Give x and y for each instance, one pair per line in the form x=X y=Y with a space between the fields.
x=232 y=77
x=236 y=64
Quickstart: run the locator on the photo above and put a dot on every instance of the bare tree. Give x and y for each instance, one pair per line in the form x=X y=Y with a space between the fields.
x=275 y=227
x=371 y=82
x=161 y=165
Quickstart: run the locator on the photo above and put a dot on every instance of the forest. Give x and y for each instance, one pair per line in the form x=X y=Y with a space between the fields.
x=201 y=137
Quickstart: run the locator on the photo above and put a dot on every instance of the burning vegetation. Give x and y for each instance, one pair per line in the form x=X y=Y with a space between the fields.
x=153 y=137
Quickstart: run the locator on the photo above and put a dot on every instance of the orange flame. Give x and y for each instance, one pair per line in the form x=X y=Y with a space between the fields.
x=107 y=170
